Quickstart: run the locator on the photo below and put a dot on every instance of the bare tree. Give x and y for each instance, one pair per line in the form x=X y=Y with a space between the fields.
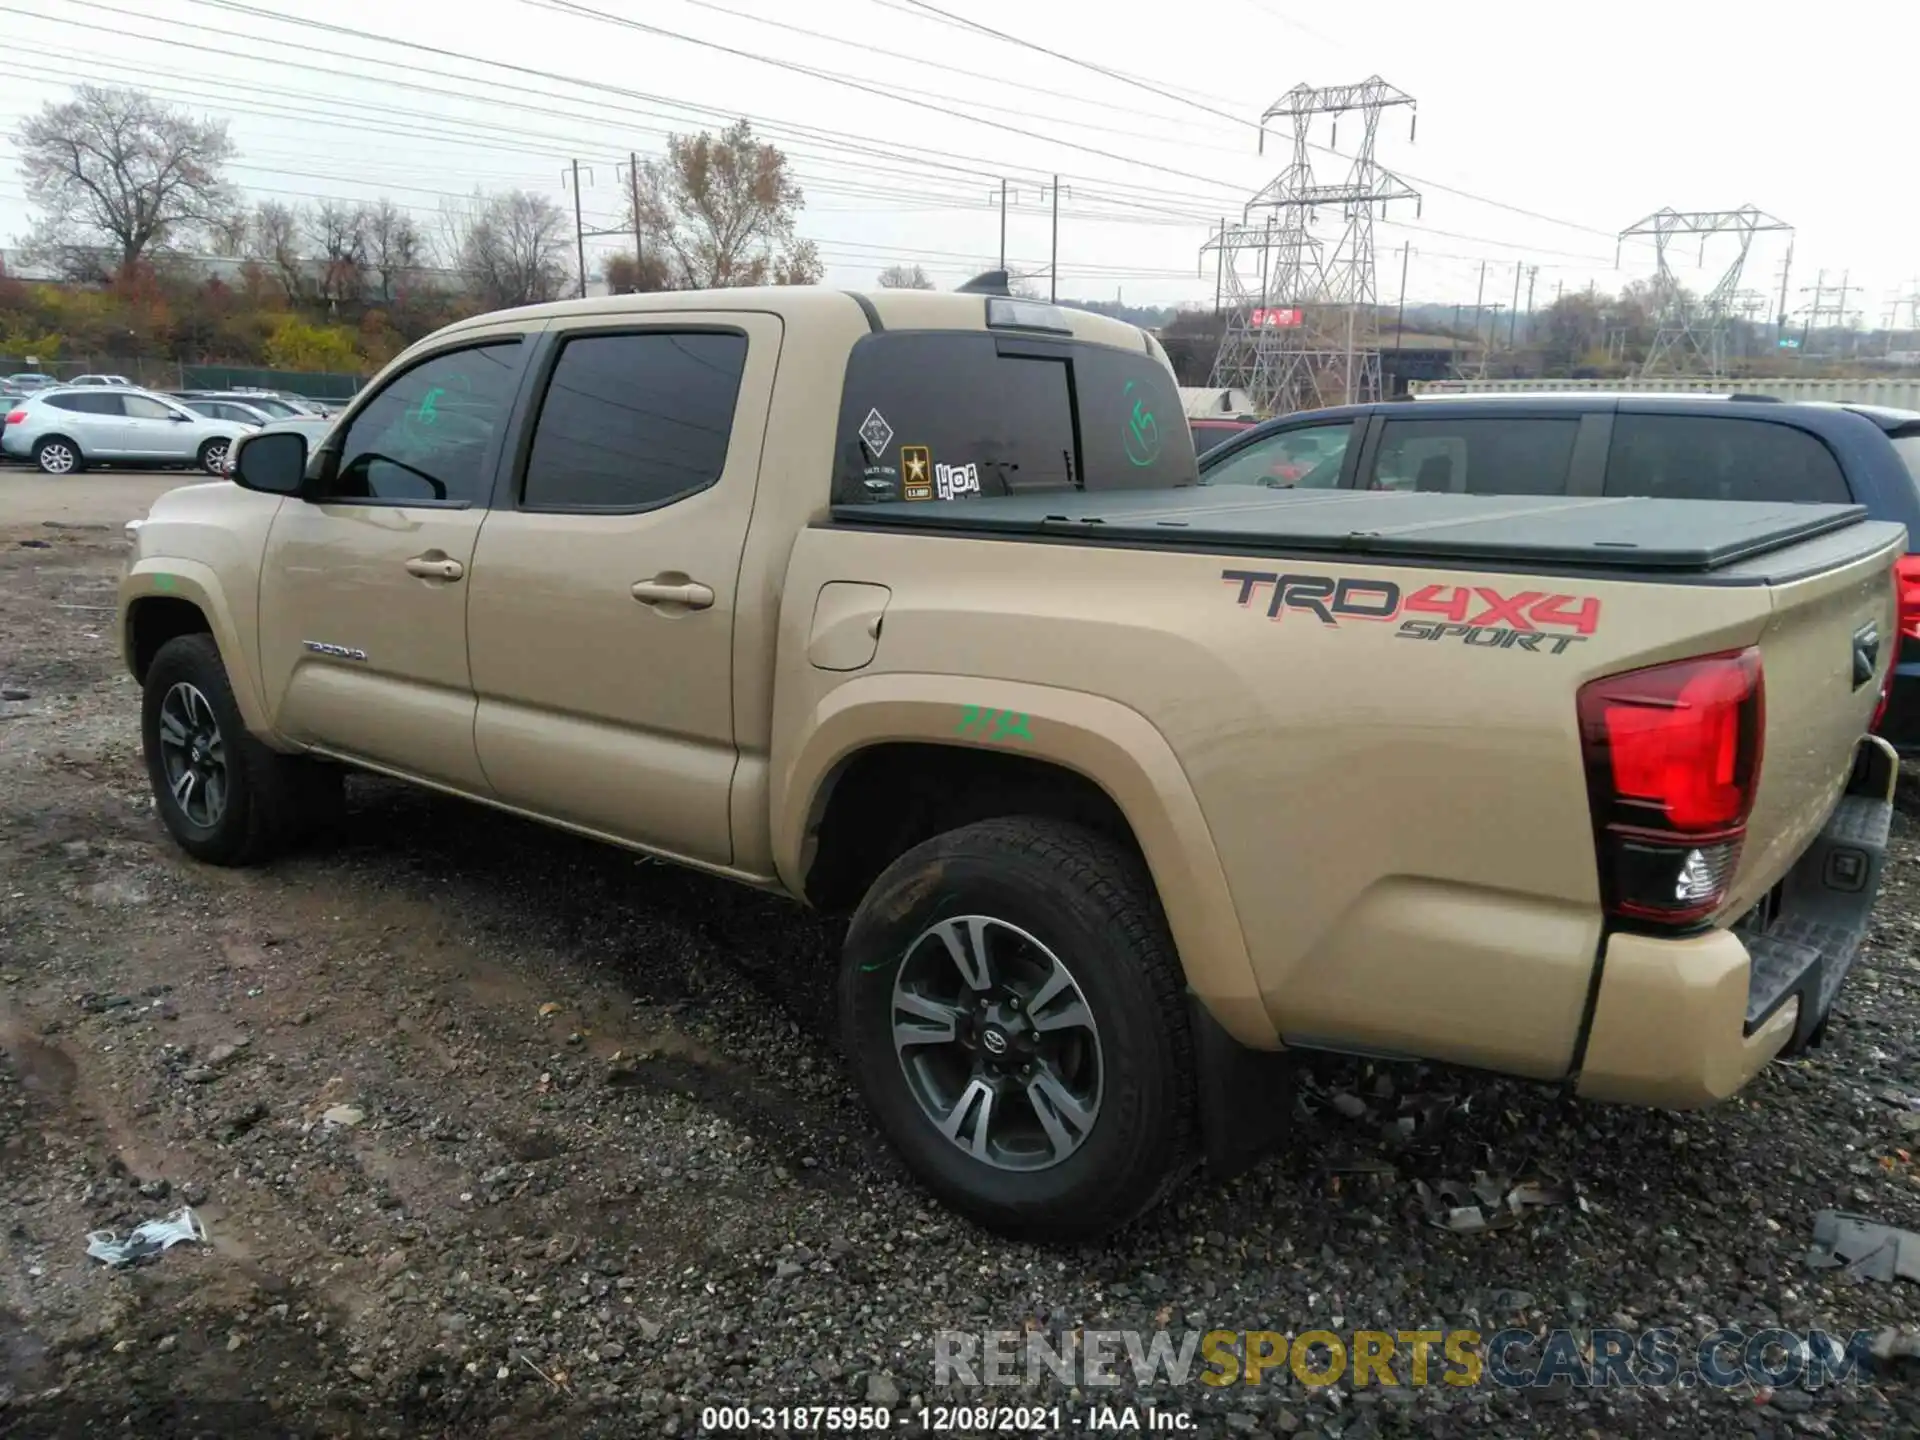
x=510 y=248
x=337 y=232
x=115 y=173
x=723 y=209
x=904 y=277
x=395 y=248
x=275 y=239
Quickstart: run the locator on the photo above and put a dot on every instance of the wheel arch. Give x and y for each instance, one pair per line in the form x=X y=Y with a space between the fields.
x=161 y=600
x=885 y=761
x=79 y=451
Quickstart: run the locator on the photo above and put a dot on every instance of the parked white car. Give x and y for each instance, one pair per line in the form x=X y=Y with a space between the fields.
x=101 y=380
x=69 y=428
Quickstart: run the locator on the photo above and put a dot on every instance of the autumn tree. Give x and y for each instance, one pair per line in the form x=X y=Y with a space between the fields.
x=510 y=248
x=904 y=277
x=1568 y=329
x=116 y=174
x=722 y=208
x=626 y=275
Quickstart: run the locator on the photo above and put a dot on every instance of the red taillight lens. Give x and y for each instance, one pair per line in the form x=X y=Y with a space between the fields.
x=17 y=417
x=1909 y=583
x=1673 y=761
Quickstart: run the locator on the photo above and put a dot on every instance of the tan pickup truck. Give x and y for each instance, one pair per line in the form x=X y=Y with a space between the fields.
x=909 y=604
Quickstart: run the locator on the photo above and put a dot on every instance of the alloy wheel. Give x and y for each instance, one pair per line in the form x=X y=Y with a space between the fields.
x=194 y=755
x=997 y=1043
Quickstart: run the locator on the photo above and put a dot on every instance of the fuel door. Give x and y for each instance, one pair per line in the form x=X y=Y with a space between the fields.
x=846 y=625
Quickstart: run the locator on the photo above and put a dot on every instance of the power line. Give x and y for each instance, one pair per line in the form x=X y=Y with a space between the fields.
x=1241 y=120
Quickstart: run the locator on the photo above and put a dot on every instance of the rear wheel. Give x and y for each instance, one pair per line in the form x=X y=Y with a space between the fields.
x=1014 y=1010
x=213 y=456
x=57 y=455
x=223 y=796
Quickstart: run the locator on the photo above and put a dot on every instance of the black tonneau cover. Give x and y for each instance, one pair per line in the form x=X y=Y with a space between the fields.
x=1522 y=531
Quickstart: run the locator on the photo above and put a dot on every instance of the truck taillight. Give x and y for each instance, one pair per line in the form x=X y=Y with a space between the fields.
x=1673 y=761
x=1909 y=582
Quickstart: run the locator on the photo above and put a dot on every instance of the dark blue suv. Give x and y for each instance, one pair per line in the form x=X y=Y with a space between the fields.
x=1698 y=447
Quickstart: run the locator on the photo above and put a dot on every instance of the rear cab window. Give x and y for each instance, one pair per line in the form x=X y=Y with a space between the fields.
x=943 y=415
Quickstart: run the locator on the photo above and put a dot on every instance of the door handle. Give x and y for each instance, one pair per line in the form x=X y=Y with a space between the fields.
x=432 y=567
x=690 y=593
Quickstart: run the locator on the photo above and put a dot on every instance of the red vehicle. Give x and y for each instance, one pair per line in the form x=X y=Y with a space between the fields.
x=1211 y=432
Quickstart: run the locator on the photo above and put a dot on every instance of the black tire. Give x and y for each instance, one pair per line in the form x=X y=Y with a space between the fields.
x=213 y=455
x=1091 y=902
x=269 y=802
x=48 y=452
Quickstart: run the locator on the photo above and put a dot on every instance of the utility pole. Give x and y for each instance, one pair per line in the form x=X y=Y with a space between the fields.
x=1479 y=296
x=1053 y=265
x=1786 y=269
x=1533 y=272
x=1513 y=315
x=1840 y=311
x=1220 y=268
x=639 y=243
x=1814 y=313
x=1400 y=317
x=579 y=226
x=1003 y=224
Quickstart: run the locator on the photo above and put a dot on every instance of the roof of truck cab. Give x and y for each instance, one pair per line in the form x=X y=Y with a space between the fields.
x=893 y=309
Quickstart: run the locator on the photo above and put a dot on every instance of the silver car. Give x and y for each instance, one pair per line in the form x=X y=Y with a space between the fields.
x=66 y=429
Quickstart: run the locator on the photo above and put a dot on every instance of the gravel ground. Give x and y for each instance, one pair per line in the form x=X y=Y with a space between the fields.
x=594 y=1164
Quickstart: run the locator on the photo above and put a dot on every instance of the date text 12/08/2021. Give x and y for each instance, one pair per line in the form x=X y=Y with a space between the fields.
x=941 y=1419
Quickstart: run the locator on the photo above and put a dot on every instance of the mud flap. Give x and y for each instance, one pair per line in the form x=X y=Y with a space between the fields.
x=1245 y=1096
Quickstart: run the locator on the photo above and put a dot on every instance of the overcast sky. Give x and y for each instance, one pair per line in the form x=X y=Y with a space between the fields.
x=1543 y=129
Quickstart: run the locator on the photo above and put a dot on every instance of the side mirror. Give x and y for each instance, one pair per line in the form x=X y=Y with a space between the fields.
x=274 y=464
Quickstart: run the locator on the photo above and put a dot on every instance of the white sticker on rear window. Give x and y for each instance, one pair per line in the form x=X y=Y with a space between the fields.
x=877 y=434
x=955 y=480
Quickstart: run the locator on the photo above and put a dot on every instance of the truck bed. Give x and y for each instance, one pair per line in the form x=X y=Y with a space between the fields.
x=1670 y=539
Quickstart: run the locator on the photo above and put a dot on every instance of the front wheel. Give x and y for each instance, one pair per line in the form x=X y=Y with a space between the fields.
x=213 y=456
x=1014 y=1010
x=223 y=796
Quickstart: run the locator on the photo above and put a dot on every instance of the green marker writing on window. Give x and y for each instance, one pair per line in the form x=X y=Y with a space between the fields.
x=1142 y=436
x=429 y=412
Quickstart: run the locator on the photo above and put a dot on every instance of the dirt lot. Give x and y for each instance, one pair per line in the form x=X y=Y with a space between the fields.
x=603 y=1167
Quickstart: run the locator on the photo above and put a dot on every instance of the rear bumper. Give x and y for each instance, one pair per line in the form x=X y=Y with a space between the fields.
x=1683 y=1023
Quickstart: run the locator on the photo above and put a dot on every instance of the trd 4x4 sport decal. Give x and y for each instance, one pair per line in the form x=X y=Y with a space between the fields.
x=1537 y=621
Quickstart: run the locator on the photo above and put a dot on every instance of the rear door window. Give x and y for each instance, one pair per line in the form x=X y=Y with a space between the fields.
x=1705 y=457
x=1466 y=456
x=946 y=415
x=85 y=404
x=632 y=422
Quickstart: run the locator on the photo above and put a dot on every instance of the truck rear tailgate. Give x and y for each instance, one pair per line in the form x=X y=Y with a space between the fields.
x=1825 y=652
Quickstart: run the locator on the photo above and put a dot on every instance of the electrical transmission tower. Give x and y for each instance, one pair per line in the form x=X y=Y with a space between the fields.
x=1302 y=331
x=1692 y=331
